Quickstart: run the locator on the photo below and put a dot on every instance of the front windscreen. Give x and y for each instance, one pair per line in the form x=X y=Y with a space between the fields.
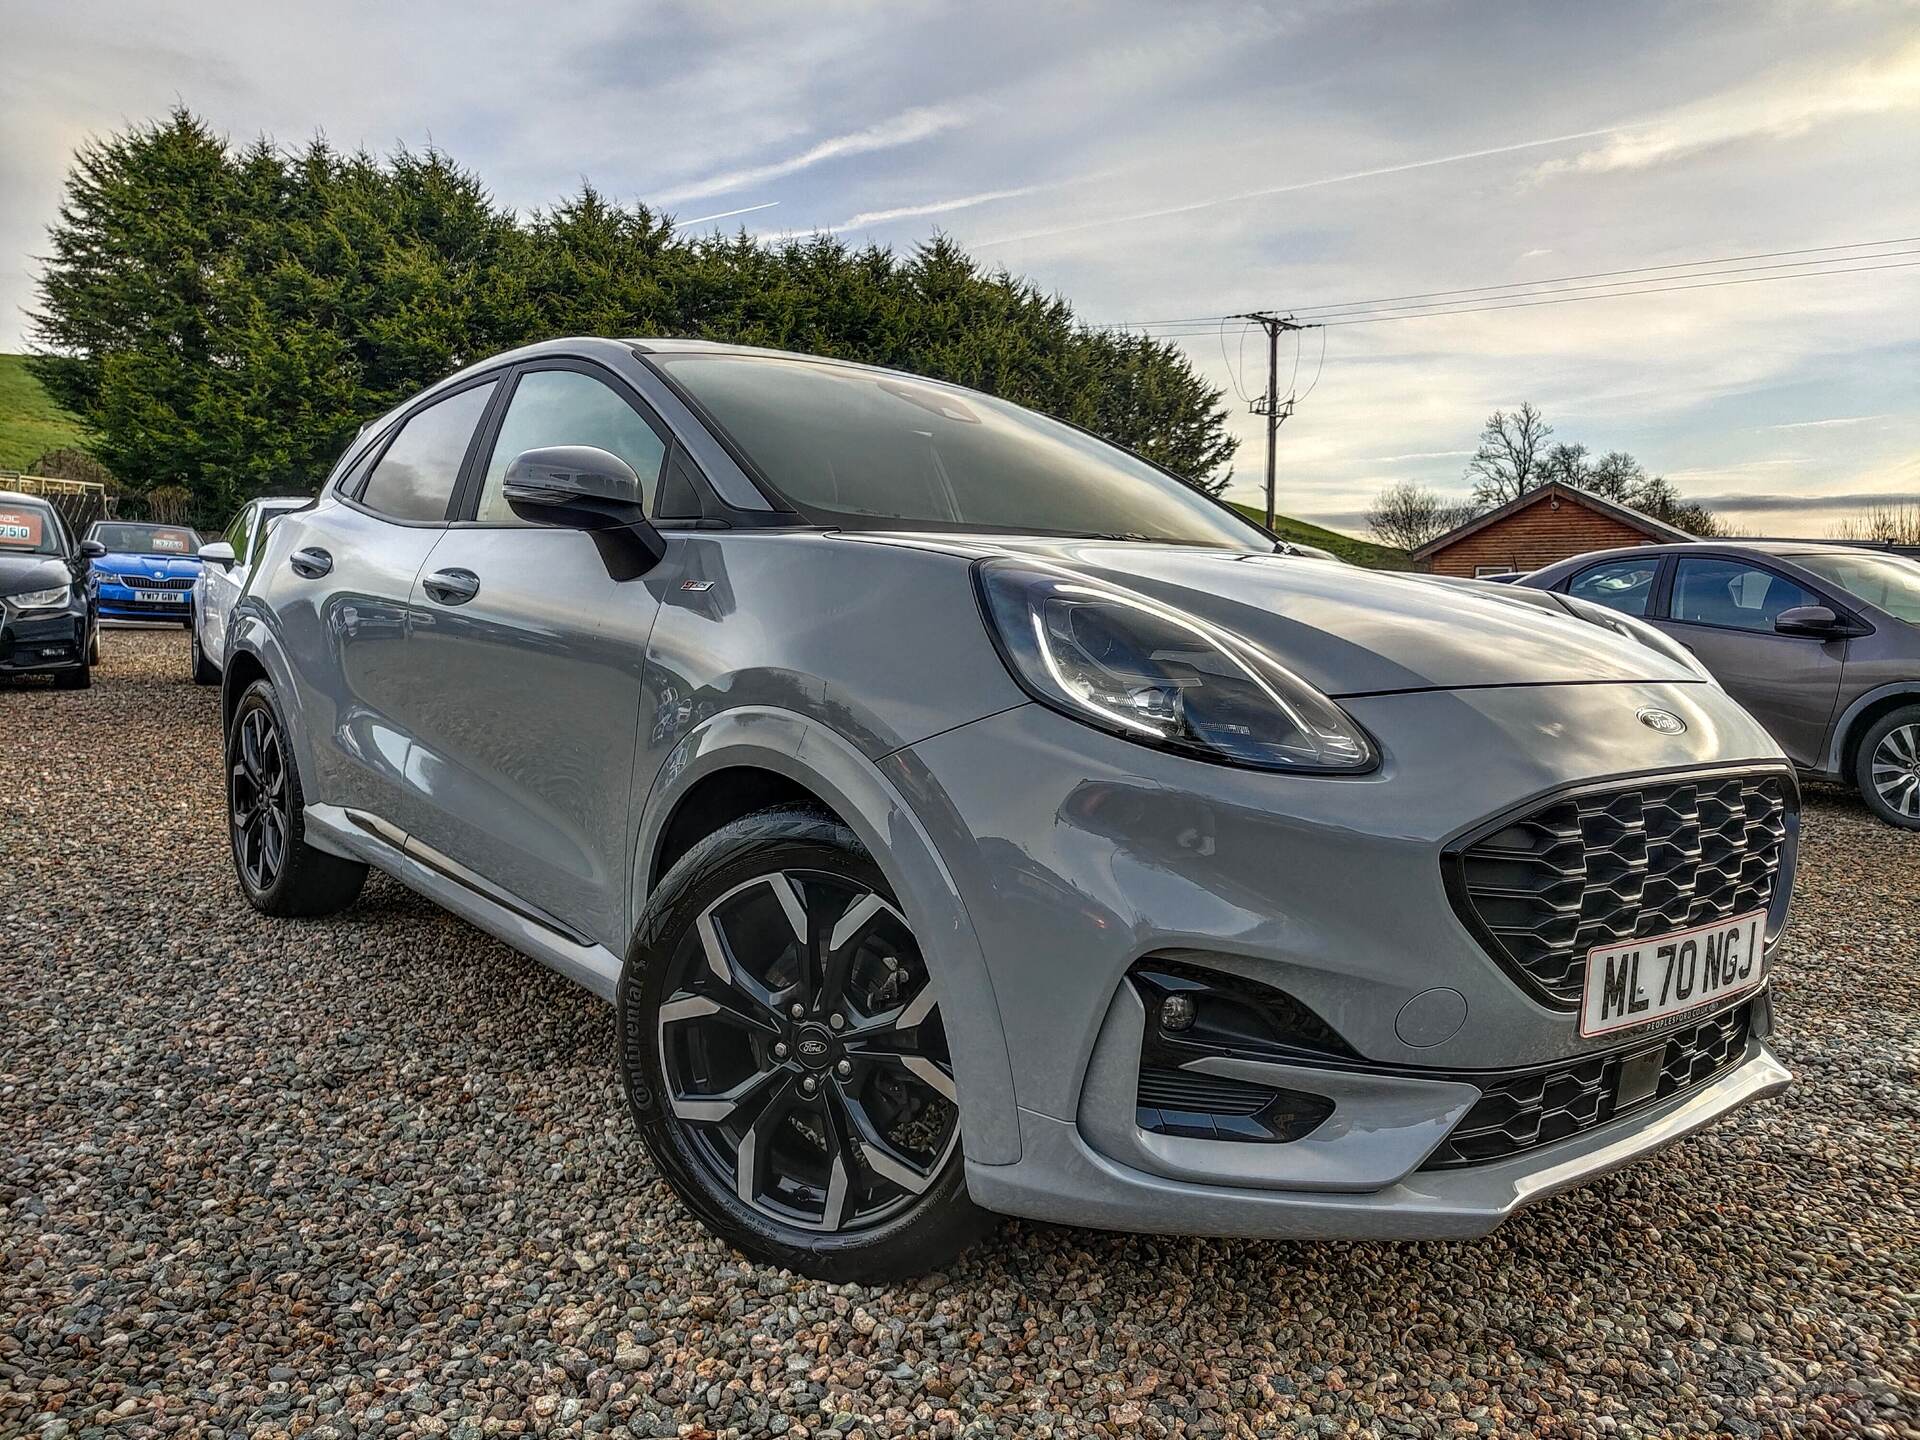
x=27 y=529
x=1889 y=581
x=869 y=449
x=125 y=538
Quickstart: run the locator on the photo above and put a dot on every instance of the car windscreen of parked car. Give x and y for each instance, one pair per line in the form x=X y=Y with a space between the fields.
x=851 y=447
x=1889 y=581
x=28 y=529
x=124 y=538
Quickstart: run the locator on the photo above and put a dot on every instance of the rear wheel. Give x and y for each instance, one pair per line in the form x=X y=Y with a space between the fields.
x=1888 y=767
x=279 y=872
x=785 y=1059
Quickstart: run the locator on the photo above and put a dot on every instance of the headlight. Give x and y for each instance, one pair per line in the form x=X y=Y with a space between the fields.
x=53 y=599
x=1634 y=628
x=1156 y=675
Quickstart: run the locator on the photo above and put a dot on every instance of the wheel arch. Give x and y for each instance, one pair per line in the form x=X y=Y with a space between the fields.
x=754 y=751
x=1844 y=749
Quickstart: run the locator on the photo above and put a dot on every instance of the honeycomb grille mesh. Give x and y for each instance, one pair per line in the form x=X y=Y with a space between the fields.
x=1622 y=864
x=1541 y=1106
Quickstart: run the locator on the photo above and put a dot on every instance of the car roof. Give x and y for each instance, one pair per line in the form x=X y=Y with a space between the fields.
x=1782 y=549
x=19 y=497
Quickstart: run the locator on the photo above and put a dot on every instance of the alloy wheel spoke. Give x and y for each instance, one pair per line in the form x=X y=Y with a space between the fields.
x=722 y=1105
x=686 y=1006
x=721 y=964
x=756 y=1145
x=932 y=1073
x=880 y=1157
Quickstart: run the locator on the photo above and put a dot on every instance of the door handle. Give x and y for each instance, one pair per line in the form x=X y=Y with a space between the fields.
x=312 y=562
x=452 y=587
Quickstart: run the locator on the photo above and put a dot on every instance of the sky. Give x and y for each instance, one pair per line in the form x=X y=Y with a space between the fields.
x=1154 y=162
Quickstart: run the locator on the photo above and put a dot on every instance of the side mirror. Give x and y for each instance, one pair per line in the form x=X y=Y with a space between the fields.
x=581 y=487
x=217 y=552
x=1813 y=620
x=92 y=549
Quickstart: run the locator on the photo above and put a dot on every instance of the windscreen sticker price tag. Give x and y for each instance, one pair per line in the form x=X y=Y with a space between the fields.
x=173 y=542
x=19 y=527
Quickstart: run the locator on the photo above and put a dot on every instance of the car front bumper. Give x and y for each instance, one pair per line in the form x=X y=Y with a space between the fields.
x=1082 y=857
x=117 y=602
x=39 y=643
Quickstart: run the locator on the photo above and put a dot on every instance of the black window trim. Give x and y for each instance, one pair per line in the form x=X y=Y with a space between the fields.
x=1656 y=592
x=1748 y=562
x=371 y=457
x=465 y=506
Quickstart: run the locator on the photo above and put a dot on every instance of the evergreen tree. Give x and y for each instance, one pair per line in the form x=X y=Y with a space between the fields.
x=225 y=319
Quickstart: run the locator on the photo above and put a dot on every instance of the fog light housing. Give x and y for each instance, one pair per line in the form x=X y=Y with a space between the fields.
x=1176 y=1013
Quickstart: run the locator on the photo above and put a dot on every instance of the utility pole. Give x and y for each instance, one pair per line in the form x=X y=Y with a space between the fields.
x=1271 y=405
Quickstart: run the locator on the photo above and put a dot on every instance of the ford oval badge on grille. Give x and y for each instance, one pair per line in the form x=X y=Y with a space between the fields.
x=1665 y=721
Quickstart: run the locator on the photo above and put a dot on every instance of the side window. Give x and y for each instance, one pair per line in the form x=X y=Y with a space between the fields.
x=565 y=407
x=1733 y=595
x=1623 y=585
x=236 y=535
x=414 y=480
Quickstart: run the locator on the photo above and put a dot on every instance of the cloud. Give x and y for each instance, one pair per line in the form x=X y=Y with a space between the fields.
x=1785 y=103
x=1269 y=190
x=1790 y=504
x=908 y=128
x=1825 y=424
x=934 y=207
x=723 y=215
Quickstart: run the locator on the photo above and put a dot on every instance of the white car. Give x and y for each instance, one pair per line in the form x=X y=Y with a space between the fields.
x=223 y=575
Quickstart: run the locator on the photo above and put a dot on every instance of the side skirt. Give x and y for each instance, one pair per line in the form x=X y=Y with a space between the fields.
x=450 y=885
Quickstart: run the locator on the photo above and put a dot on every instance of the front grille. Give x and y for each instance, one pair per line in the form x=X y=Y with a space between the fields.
x=1620 y=863
x=167 y=582
x=1537 y=1107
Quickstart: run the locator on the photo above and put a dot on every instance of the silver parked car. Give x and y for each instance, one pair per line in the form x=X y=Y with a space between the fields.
x=1820 y=642
x=225 y=565
x=967 y=816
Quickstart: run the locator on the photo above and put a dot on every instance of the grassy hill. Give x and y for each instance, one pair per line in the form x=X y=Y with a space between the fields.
x=1354 y=552
x=30 y=423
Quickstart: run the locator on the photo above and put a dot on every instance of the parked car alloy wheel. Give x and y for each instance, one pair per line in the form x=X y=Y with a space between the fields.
x=1889 y=768
x=784 y=1053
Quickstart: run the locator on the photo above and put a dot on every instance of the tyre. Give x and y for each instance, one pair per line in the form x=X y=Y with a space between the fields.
x=1887 y=767
x=80 y=678
x=205 y=672
x=279 y=872
x=784 y=1058
x=93 y=645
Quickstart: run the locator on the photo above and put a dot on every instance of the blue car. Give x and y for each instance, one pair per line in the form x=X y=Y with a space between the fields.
x=147 y=572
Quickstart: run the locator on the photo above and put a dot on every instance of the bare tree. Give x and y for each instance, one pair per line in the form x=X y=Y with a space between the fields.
x=1565 y=463
x=1899 y=523
x=1407 y=515
x=1511 y=445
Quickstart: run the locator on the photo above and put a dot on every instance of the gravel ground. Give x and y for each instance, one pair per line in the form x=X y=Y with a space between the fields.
x=372 y=1176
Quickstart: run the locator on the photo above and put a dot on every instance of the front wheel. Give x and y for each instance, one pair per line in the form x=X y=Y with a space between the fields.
x=785 y=1059
x=279 y=872
x=205 y=672
x=1887 y=769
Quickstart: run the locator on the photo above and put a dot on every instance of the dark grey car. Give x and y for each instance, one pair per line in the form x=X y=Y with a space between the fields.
x=1820 y=642
x=965 y=815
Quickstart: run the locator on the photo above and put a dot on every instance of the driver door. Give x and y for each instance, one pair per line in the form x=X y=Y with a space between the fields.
x=527 y=659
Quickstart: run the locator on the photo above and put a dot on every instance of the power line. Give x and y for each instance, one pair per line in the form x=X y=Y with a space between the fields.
x=1623 y=294
x=1646 y=270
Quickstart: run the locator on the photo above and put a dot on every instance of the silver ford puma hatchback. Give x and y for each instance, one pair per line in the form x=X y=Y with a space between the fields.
x=966 y=816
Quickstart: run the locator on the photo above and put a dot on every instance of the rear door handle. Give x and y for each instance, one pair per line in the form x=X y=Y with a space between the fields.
x=312 y=562
x=452 y=587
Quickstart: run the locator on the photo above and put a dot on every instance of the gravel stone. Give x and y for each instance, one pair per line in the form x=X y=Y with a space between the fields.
x=372 y=1176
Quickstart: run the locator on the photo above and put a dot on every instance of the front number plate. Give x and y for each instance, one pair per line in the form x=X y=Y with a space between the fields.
x=158 y=597
x=1641 y=982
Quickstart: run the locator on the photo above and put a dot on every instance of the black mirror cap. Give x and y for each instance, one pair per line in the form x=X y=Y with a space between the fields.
x=92 y=549
x=582 y=487
x=1817 y=621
